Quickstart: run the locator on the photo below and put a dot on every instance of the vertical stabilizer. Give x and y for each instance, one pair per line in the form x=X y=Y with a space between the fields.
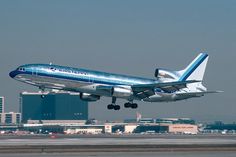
x=196 y=69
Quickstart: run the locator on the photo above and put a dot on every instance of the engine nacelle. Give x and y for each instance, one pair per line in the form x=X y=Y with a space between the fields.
x=121 y=92
x=89 y=97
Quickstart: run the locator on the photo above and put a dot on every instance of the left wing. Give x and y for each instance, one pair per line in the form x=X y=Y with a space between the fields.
x=145 y=90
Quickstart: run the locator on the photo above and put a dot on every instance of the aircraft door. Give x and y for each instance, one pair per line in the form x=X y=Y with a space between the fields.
x=90 y=78
x=34 y=71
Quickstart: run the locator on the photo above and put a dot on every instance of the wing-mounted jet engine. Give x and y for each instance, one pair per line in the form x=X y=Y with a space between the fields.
x=89 y=97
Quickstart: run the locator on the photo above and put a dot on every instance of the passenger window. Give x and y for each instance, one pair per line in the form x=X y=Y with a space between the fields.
x=53 y=69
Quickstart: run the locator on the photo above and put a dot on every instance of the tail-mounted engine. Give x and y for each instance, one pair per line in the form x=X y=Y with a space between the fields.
x=166 y=74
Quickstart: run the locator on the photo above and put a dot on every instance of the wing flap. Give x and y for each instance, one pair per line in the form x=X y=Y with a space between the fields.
x=179 y=84
x=145 y=90
x=166 y=86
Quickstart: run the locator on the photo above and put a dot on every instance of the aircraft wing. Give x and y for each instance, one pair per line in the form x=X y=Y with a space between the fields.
x=196 y=94
x=145 y=90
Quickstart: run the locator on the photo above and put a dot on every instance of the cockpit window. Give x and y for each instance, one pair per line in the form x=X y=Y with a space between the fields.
x=21 y=69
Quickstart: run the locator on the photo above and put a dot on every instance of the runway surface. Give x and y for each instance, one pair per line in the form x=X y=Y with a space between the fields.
x=117 y=144
x=118 y=140
x=125 y=154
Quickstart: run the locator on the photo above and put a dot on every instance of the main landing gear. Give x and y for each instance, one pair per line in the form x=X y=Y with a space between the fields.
x=113 y=105
x=117 y=107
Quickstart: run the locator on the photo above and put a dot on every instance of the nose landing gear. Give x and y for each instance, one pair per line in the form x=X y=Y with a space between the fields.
x=42 y=92
x=113 y=105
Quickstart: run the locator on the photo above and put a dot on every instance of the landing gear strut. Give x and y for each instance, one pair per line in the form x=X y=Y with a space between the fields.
x=113 y=105
x=42 y=91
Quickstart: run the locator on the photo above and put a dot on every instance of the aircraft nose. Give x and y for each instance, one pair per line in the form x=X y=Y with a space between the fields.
x=12 y=74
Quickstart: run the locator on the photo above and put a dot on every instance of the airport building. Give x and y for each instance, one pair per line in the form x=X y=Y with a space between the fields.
x=166 y=125
x=183 y=129
x=175 y=121
x=53 y=106
x=10 y=118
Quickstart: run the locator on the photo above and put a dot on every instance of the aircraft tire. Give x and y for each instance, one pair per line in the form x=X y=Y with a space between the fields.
x=127 y=105
x=134 y=106
x=116 y=107
x=110 y=106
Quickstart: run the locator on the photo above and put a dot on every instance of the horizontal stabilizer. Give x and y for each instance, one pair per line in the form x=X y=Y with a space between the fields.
x=197 y=94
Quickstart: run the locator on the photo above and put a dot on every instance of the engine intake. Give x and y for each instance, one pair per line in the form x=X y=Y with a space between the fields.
x=162 y=73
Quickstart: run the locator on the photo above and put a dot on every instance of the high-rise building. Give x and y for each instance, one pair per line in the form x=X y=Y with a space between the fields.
x=54 y=106
x=1 y=104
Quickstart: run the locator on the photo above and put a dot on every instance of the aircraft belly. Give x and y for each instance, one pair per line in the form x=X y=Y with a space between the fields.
x=62 y=84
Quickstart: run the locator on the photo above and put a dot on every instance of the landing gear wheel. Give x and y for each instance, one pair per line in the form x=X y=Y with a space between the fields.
x=134 y=106
x=127 y=105
x=110 y=106
x=116 y=107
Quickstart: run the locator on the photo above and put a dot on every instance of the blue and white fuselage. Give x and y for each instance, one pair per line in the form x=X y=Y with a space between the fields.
x=168 y=85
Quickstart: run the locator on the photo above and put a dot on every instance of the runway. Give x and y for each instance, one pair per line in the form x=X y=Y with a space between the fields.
x=127 y=154
x=118 y=140
x=116 y=143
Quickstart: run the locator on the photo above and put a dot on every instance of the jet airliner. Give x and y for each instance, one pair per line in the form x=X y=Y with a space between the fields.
x=91 y=85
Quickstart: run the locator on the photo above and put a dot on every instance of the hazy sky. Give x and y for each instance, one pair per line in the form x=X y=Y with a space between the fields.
x=128 y=37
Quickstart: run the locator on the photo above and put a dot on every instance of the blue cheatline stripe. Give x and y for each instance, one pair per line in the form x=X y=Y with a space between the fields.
x=193 y=67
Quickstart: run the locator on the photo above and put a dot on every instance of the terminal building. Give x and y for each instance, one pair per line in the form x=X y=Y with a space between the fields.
x=175 y=121
x=53 y=106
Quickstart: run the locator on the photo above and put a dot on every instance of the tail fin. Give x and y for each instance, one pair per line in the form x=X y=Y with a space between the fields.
x=196 y=69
